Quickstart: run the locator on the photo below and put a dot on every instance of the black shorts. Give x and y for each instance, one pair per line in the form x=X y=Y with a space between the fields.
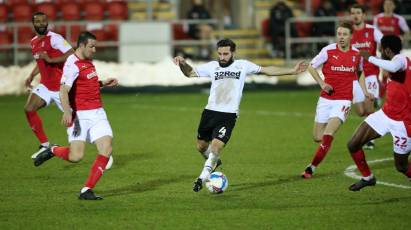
x=217 y=125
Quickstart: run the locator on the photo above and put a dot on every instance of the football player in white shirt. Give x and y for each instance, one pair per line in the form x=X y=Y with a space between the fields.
x=218 y=119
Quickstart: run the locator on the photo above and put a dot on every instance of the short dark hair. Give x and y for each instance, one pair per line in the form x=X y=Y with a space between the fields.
x=83 y=38
x=393 y=42
x=227 y=42
x=358 y=6
x=347 y=25
x=38 y=13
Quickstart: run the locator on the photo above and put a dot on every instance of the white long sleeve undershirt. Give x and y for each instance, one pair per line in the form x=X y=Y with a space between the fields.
x=398 y=63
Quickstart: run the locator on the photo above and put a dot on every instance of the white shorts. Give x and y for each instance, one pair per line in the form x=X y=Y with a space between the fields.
x=93 y=125
x=48 y=96
x=327 y=109
x=372 y=85
x=382 y=124
x=358 y=94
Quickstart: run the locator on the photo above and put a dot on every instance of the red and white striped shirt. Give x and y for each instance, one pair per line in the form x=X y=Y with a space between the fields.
x=81 y=76
x=54 y=45
x=339 y=69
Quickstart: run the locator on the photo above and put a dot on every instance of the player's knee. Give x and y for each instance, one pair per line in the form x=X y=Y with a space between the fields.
x=107 y=151
x=75 y=157
x=201 y=147
x=352 y=146
x=29 y=108
x=317 y=139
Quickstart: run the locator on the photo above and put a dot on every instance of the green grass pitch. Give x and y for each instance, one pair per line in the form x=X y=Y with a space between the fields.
x=155 y=163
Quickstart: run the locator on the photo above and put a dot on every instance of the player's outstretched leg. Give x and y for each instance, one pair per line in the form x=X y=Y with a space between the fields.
x=205 y=148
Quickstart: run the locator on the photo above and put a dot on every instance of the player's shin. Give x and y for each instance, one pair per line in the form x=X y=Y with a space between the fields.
x=96 y=171
x=209 y=166
x=206 y=153
x=37 y=126
x=322 y=150
x=61 y=152
x=359 y=159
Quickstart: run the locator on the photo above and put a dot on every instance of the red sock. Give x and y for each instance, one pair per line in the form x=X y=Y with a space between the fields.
x=61 y=152
x=37 y=126
x=322 y=150
x=359 y=159
x=97 y=170
x=408 y=173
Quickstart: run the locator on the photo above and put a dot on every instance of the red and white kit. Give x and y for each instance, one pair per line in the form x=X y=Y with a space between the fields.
x=367 y=39
x=395 y=115
x=391 y=25
x=340 y=71
x=85 y=100
x=54 y=45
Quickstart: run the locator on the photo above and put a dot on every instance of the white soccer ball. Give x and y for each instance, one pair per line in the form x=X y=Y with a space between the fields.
x=109 y=163
x=217 y=182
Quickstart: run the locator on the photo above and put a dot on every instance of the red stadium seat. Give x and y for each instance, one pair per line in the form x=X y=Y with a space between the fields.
x=25 y=34
x=70 y=11
x=22 y=12
x=75 y=31
x=3 y=13
x=5 y=38
x=179 y=33
x=16 y=2
x=48 y=8
x=111 y=31
x=303 y=28
x=265 y=29
x=117 y=10
x=93 y=11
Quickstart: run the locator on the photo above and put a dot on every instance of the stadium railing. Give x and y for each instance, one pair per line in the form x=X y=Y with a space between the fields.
x=315 y=41
x=19 y=50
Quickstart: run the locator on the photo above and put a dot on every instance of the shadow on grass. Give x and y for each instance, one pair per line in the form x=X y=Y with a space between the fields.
x=276 y=181
x=144 y=186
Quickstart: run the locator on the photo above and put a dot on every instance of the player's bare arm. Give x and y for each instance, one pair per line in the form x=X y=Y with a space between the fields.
x=67 y=118
x=109 y=82
x=324 y=86
x=276 y=71
x=59 y=59
x=185 y=68
x=30 y=78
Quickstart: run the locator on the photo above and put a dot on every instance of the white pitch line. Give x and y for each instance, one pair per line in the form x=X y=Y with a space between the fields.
x=350 y=172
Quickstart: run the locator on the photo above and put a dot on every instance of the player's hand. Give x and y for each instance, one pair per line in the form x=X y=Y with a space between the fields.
x=44 y=56
x=67 y=119
x=178 y=60
x=27 y=82
x=300 y=67
x=369 y=96
x=110 y=82
x=327 y=88
x=365 y=54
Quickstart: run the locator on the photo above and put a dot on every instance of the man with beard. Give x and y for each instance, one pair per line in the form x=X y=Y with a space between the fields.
x=394 y=117
x=50 y=50
x=365 y=37
x=340 y=64
x=227 y=77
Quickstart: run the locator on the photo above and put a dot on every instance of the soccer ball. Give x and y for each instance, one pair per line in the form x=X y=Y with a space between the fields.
x=217 y=182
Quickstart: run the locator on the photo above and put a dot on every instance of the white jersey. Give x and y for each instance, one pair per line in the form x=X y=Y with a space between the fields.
x=226 y=83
